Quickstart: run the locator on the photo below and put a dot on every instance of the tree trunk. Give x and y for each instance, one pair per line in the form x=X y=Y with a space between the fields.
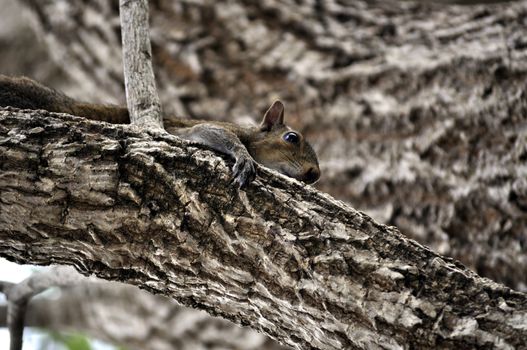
x=280 y=257
x=418 y=111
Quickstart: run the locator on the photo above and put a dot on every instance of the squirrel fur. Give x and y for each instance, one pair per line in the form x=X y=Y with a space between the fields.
x=272 y=143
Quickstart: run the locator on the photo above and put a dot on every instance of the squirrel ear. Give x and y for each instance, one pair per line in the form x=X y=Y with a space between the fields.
x=273 y=116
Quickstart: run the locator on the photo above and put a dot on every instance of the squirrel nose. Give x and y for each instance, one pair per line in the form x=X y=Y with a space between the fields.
x=311 y=175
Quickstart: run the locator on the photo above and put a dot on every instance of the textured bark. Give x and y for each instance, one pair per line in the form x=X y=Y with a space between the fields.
x=141 y=94
x=125 y=315
x=417 y=111
x=279 y=257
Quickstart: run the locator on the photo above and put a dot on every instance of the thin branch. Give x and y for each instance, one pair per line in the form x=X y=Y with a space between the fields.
x=18 y=296
x=141 y=93
x=103 y=310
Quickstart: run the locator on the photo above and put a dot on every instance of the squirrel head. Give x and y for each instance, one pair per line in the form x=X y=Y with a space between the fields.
x=283 y=149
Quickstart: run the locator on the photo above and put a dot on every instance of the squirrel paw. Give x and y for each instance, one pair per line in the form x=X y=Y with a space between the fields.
x=244 y=171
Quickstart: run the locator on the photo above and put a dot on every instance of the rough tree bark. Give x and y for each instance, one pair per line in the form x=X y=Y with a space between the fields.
x=418 y=112
x=144 y=110
x=280 y=257
x=424 y=68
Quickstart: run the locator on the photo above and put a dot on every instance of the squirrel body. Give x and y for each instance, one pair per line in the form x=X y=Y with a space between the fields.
x=272 y=143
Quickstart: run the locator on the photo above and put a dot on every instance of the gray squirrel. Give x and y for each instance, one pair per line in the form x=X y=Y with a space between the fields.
x=272 y=143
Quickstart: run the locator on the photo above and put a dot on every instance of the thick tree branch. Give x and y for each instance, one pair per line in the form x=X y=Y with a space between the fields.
x=280 y=257
x=141 y=94
x=417 y=111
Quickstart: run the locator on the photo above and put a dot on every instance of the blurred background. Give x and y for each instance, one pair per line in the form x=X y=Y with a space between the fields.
x=418 y=111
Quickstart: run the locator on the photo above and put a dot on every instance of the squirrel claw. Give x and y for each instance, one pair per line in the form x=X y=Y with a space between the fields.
x=244 y=171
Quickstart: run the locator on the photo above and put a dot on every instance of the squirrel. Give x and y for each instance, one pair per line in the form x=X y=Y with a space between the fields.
x=272 y=144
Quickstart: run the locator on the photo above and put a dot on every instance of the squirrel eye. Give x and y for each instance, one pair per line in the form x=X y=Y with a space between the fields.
x=291 y=137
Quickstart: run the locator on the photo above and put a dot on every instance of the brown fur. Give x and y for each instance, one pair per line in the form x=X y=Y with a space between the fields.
x=264 y=143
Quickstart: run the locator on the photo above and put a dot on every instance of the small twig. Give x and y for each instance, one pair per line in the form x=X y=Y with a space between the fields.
x=141 y=94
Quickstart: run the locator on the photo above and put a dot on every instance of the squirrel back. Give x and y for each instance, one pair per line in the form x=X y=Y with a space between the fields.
x=272 y=144
x=25 y=93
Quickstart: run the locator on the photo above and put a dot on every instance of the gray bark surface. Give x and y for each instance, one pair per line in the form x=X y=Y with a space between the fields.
x=280 y=257
x=417 y=111
x=141 y=94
